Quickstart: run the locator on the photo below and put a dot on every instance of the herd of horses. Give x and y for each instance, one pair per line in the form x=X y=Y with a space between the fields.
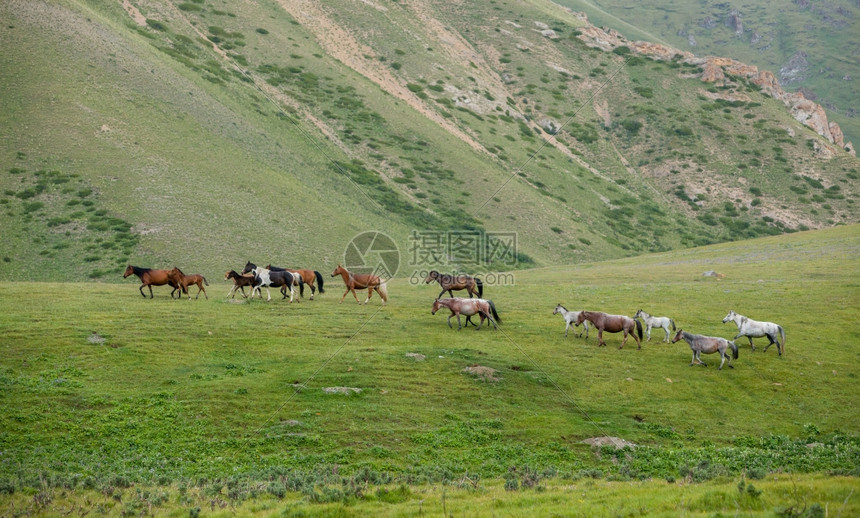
x=699 y=344
x=292 y=280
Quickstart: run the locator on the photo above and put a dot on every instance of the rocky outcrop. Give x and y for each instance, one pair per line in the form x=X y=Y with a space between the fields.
x=717 y=69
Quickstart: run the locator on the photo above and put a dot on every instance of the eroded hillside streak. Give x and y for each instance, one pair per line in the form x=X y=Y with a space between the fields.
x=279 y=99
x=341 y=45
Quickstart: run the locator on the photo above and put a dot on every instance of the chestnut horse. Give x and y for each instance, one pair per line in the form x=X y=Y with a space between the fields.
x=472 y=285
x=308 y=276
x=185 y=281
x=361 y=281
x=239 y=281
x=707 y=344
x=150 y=278
x=468 y=307
x=613 y=324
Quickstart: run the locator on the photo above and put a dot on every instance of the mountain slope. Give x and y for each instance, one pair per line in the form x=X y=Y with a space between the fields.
x=808 y=45
x=202 y=135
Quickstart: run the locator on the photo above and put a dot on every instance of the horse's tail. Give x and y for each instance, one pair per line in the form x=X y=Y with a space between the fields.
x=480 y=286
x=205 y=281
x=734 y=347
x=319 y=281
x=496 y=316
x=639 y=328
x=382 y=289
x=301 y=284
x=782 y=335
x=673 y=324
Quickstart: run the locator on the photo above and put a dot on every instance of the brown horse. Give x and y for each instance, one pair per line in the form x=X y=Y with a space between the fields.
x=449 y=283
x=308 y=276
x=468 y=307
x=239 y=281
x=707 y=344
x=185 y=281
x=150 y=278
x=361 y=281
x=612 y=324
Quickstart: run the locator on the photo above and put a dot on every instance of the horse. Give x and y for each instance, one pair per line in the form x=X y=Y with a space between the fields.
x=308 y=277
x=150 y=278
x=660 y=322
x=707 y=344
x=296 y=282
x=613 y=324
x=361 y=281
x=188 y=280
x=239 y=281
x=570 y=317
x=754 y=329
x=265 y=277
x=462 y=306
x=449 y=283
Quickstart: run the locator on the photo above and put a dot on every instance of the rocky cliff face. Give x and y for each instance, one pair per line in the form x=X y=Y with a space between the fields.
x=716 y=69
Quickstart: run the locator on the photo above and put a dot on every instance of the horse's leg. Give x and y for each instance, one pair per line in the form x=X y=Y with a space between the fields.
x=566 y=328
x=699 y=357
x=313 y=291
x=142 y=294
x=441 y=293
x=666 y=328
x=624 y=341
x=459 y=326
x=449 y=320
x=693 y=359
x=344 y=296
x=150 y=291
x=203 y=290
x=772 y=341
x=600 y=337
x=269 y=293
x=723 y=356
x=369 y=294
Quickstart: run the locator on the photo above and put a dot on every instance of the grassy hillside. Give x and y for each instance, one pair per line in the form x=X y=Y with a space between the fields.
x=201 y=135
x=807 y=44
x=214 y=401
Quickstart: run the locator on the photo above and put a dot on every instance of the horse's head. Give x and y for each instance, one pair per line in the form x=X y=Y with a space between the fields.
x=580 y=319
x=731 y=316
x=558 y=309
x=338 y=271
x=432 y=275
x=248 y=267
x=638 y=314
x=230 y=274
x=128 y=271
x=436 y=305
x=678 y=335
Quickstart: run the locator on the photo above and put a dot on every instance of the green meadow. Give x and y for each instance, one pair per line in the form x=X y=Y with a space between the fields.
x=115 y=404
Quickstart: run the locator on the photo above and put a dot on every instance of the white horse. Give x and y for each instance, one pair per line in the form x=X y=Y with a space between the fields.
x=753 y=329
x=570 y=318
x=659 y=322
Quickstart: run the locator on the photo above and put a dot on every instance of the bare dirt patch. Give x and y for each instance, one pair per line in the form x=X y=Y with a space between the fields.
x=483 y=373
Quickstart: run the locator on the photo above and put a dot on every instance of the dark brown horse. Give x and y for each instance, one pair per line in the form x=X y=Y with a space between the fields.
x=185 y=281
x=239 y=281
x=449 y=283
x=612 y=324
x=308 y=276
x=150 y=278
x=361 y=281
x=468 y=307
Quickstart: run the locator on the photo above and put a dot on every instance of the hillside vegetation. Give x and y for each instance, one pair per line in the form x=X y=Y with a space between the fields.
x=118 y=404
x=202 y=135
x=807 y=44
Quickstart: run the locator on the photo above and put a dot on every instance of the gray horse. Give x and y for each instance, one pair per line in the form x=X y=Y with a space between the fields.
x=707 y=344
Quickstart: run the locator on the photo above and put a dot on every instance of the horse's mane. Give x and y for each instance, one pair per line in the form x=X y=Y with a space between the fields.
x=178 y=270
x=139 y=270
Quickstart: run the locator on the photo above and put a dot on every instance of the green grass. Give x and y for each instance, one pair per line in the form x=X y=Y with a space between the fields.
x=185 y=403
